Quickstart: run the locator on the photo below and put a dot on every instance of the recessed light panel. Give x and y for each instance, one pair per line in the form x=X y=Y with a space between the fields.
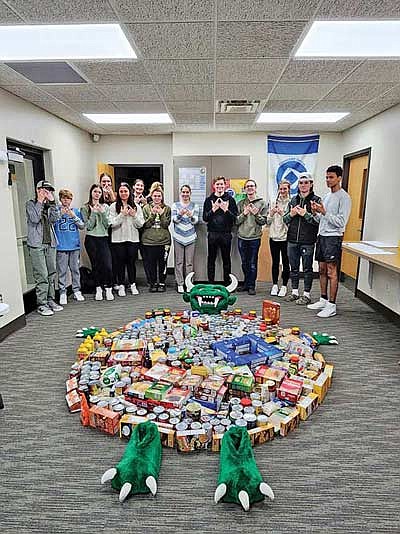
x=348 y=39
x=69 y=41
x=129 y=118
x=305 y=118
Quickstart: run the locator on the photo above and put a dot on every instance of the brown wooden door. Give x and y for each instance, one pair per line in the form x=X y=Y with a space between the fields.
x=264 y=273
x=357 y=184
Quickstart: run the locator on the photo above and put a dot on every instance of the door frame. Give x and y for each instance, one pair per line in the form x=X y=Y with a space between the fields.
x=345 y=182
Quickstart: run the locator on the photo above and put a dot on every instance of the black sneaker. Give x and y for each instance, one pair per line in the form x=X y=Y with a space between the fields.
x=162 y=288
x=251 y=291
x=241 y=289
x=153 y=288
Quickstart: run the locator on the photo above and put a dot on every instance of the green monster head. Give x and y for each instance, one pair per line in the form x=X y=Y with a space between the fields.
x=209 y=298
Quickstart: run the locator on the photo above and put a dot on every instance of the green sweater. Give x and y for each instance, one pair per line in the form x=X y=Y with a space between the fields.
x=155 y=231
x=97 y=223
x=250 y=226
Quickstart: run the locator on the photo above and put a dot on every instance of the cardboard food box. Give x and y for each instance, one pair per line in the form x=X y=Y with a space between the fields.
x=290 y=389
x=167 y=436
x=157 y=391
x=191 y=382
x=211 y=385
x=321 y=386
x=73 y=401
x=71 y=384
x=127 y=344
x=175 y=398
x=192 y=440
x=329 y=371
x=261 y=435
x=201 y=370
x=104 y=420
x=100 y=355
x=265 y=373
x=125 y=358
x=216 y=442
x=138 y=389
x=241 y=382
x=307 y=405
x=289 y=423
x=174 y=376
x=156 y=372
x=271 y=310
x=127 y=424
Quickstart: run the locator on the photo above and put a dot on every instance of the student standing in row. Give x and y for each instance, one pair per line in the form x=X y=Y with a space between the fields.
x=250 y=220
x=278 y=239
x=301 y=236
x=69 y=246
x=126 y=218
x=95 y=214
x=41 y=214
x=156 y=240
x=219 y=212
x=333 y=213
x=185 y=215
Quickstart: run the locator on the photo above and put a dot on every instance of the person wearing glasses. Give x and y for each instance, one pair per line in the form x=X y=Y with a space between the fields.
x=252 y=216
x=302 y=234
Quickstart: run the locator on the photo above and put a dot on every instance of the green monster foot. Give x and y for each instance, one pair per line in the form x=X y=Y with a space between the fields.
x=324 y=338
x=139 y=467
x=239 y=479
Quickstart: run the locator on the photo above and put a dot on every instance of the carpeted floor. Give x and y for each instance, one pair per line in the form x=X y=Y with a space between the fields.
x=339 y=472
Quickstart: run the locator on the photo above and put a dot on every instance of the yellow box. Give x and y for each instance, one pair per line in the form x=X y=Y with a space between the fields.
x=321 y=386
x=289 y=423
x=199 y=370
x=261 y=435
x=307 y=405
x=329 y=372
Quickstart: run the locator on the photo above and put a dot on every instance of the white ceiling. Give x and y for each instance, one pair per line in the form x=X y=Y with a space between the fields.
x=192 y=53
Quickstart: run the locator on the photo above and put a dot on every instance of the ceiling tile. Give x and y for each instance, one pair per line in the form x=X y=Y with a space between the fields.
x=342 y=9
x=186 y=92
x=164 y=10
x=235 y=118
x=376 y=71
x=121 y=93
x=339 y=105
x=177 y=40
x=393 y=94
x=244 y=91
x=113 y=71
x=298 y=91
x=266 y=9
x=180 y=71
x=74 y=93
x=193 y=118
x=7 y=16
x=245 y=70
x=8 y=76
x=288 y=105
x=379 y=105
x=28 y=92
x=191 y=107
x=140 y=107
x=358 y=91
x=257 y=39
x=93 y=107
x=317 y=71
x=59 y=11
x=47 y=71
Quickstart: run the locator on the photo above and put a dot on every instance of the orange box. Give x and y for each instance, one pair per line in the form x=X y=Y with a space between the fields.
x=271 y=310
x=73 y=401
x=105 y=420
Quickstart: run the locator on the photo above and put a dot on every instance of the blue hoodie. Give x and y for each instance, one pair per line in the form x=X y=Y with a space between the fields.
x=67 y=231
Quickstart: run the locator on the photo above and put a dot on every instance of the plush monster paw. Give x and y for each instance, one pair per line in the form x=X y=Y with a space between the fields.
x=324 y=338
x=89 y=331
x=239 y=479
x=138 y=470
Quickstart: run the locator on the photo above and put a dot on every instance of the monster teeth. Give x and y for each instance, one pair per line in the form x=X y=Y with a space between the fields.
x=200 y=301
x=216 y=300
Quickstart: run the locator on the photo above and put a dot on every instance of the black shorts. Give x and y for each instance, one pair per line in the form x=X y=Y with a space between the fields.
x=329 y=248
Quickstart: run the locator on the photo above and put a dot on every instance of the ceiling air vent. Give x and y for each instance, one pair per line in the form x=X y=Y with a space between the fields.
x=237 y=106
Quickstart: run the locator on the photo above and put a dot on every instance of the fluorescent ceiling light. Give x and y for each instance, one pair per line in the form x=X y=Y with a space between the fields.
x=129 y=118
x=366 y=38
x=68 y=41
x=300 y=117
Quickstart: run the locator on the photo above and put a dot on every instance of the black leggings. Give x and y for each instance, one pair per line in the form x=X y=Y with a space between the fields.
x=125 y=255
x=278 y=249
x=98 y=250
x=156 y=260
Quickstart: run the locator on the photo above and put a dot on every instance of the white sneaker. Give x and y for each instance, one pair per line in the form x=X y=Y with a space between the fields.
x=78 y=296
x=121 y=292
x=282 y=291
x=274 y=290
x=328 y=311
x=115 y=287
x=134 y=289
x=109 y=293
x=54 y=306
x=45 y=310
x=319 y=305
x=99 y=293
x=181 y=289
x=63 y=299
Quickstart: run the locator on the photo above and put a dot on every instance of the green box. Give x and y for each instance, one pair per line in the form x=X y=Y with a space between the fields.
x=157 y=391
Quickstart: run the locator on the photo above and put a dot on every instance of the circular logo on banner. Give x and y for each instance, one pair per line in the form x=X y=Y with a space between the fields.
x=290 y=170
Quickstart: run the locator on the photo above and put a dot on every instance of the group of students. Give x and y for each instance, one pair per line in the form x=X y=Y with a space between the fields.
x=120 y=224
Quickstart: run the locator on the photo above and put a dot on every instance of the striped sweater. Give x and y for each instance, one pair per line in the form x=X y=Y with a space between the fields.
x=184 y=231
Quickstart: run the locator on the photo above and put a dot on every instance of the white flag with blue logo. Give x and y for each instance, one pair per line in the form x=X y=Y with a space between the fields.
x=288 y=158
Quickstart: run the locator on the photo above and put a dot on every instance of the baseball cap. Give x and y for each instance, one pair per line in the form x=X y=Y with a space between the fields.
x=42 y=184
x=307 y=176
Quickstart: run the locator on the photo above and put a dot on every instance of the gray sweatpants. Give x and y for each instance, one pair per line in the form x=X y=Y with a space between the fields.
x=183 y=261
x=65 y=259
x=44 y=272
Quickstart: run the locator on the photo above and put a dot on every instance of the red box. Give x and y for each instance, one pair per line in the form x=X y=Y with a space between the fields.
x=290 y=389
x=73 y=401
x=265 y=373
x=271 y=310
x=105 y=420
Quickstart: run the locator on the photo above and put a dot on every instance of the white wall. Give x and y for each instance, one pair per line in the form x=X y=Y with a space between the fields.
x=382 y=220
x=72 y=163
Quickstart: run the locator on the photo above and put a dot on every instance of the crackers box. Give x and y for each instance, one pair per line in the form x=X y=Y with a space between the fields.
x=307 y=405
x=73 y=401
x=192 y=440
x=261 y=435
x=103 y=419
x=290 y=389
x=271 y=310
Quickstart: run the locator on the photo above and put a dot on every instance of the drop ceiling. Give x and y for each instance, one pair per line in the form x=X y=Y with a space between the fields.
x=193 y=53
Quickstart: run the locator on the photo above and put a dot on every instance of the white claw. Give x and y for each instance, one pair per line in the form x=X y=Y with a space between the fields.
x=219 y=493
x=125 y=491
x=108 y=475
x=267 y=490
x=244 y=500
x=151 y=483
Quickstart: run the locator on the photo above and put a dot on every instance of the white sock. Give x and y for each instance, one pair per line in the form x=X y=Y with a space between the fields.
x=306 y=294
x=295 y=292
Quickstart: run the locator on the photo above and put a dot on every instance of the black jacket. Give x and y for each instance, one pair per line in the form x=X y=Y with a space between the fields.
x=219 y=221
x=302 y=229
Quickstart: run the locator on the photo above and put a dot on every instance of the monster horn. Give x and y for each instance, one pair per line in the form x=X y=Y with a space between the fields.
x=233 y=285
x=108 y=475
x=266 y=490
x=188 y=282
x=151 y=483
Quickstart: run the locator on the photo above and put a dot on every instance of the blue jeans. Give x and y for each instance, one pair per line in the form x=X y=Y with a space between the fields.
x=297 y=251
x=248 y=250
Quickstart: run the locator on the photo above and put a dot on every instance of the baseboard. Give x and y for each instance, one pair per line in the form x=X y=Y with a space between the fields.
x=392 y=316
x=12 y=327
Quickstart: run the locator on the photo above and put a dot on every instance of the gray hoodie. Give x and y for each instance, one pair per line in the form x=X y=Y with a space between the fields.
x=34 y=212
